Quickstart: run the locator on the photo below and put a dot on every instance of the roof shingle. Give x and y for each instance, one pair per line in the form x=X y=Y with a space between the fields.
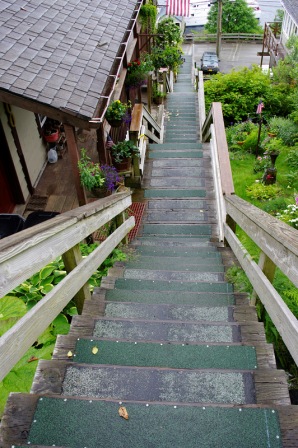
x=61 y=52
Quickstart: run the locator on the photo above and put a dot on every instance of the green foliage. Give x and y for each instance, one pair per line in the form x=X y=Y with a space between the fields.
x=147 y=16
x=261 y=163
x=285 y=129
x=167 y=56
x=138 y=70
x=21 y=299
x=238 y=91
x=237 y=17
x=237 y=276
x=275 y=205
x=290 y=215
x=91 y=175
x=292 y=158
x=168 y=33
x=123 y=150
x=263 y=192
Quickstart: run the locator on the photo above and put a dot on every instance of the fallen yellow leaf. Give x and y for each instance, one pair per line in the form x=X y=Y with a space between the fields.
x=69 y=354
x=123 y=412
x=94 y=350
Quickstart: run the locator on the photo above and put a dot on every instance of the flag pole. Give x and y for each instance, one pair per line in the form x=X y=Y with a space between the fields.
x=259 y=111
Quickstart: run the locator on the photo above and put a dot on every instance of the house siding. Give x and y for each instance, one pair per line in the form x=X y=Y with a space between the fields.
x=32 y=145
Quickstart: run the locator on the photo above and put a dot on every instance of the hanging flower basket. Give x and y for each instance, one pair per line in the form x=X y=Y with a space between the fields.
x=115 y=123
x=116 y=112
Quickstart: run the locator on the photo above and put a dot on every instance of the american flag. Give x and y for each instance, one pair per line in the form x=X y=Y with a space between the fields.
x=260 y=107
x=178 y=8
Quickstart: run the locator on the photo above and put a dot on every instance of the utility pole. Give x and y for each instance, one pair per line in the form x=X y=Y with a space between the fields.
x=219 y=28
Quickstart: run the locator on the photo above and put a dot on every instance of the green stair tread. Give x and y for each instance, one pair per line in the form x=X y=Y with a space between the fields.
x=187 y=298
x=168 y=331
x=177 y=193
x=155 y=285
x=174 y=356
x=177 y=265
x=175 y=154
x=199 y=253
x=177 y=229
x=158 y=384
x=169 y=146
x=56 y=423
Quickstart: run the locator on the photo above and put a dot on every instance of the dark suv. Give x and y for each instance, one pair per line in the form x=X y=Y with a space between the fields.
x=209 y=62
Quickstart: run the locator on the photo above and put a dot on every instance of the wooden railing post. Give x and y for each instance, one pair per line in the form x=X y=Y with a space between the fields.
x=135 y=126
x=120 y=219
x=268 y=268
x=72 y=258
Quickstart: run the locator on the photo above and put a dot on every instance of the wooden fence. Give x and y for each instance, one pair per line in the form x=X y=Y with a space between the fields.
x=277 y=241
x=25 y=253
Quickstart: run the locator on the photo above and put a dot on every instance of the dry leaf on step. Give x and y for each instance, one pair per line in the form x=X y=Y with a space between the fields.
x=94 y=350
x=123 y=412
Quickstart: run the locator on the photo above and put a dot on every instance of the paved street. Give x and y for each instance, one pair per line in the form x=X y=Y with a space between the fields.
x=238 y=54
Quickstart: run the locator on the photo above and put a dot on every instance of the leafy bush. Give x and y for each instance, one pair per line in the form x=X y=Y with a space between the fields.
x=262 y=192
x=21 y=299
x=292 y=158
x=239 y=92
x=285 y=129
x=275 y=205
x=261 y=164
x=290 y=215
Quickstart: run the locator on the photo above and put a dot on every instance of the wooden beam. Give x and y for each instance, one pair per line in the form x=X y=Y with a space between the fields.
x=275 y=238
x=74 y=158
x=72 y=258
x=39 y=245
x=284 y=320
x=43 y=109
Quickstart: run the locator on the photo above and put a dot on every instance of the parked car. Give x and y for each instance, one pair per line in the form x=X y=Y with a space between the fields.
x=209 y=62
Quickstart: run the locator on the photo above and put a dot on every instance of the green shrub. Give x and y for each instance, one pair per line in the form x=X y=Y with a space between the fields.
x=285 y=129
x=261 y=163
x=263 y=192
x=292 y=158
x=275 y=205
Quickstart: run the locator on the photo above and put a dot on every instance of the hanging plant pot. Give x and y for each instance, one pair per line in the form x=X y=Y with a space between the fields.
x=100 y=192
x=271 y=134
x=115 y=123
x=124 y=165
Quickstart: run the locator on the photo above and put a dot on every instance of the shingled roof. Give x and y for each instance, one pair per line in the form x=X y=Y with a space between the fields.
x=60 y=53
x=292 y=8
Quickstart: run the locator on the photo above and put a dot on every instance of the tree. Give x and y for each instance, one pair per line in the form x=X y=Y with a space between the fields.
x=168 y=33
x=237 y=17
x=239 y=92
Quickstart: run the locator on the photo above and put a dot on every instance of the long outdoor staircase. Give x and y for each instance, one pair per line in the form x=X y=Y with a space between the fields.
x=165 y=338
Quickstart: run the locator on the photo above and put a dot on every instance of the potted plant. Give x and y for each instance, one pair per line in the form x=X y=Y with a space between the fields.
x=116 y=112
x=158 y=95
x=272 y=149
x=100 y=180
x=122 y=153
x=138 y=71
